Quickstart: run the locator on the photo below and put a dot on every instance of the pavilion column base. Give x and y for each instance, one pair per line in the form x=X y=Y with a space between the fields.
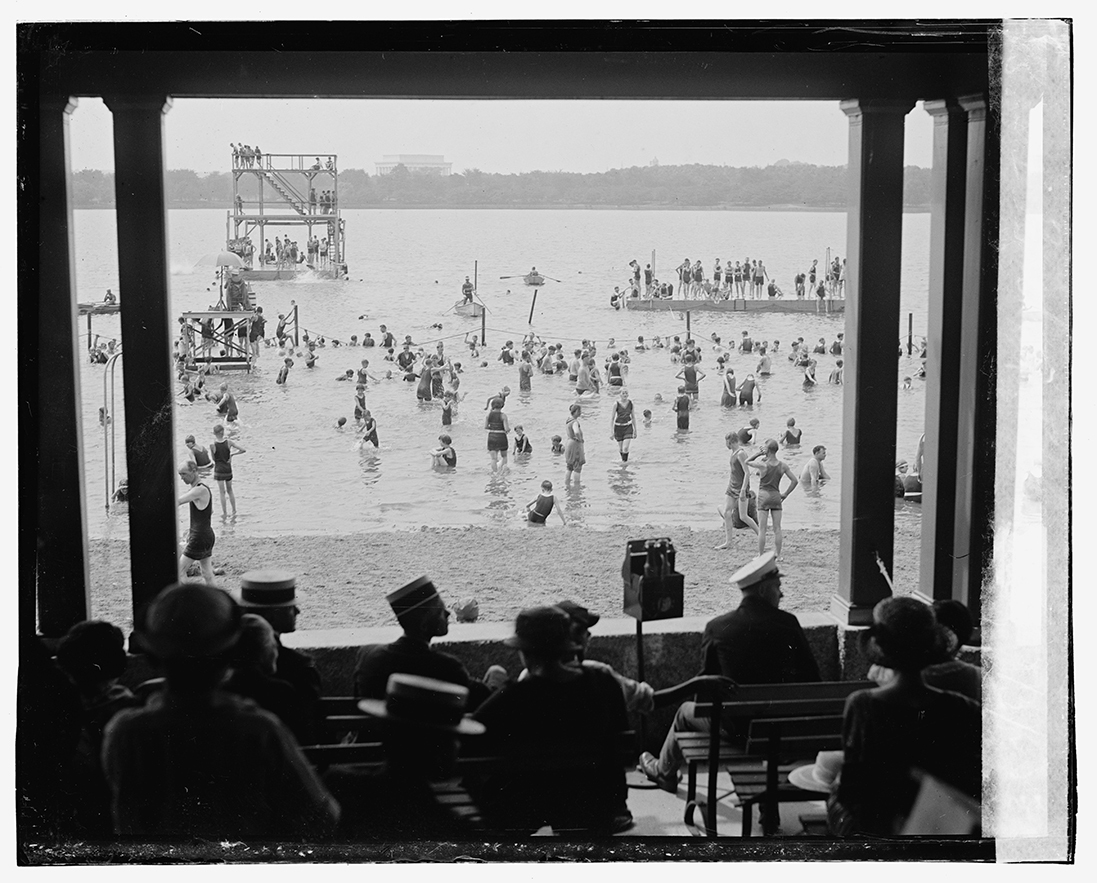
x=850 y=614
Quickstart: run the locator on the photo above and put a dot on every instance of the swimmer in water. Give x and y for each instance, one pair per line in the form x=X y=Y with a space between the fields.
x=340 y=423
x=283 y=374
x=369 y=430
x=836 y=374
x=444 y=456
x=814 y=473
x=557 y=445
x=791 y=435
x=647 y=417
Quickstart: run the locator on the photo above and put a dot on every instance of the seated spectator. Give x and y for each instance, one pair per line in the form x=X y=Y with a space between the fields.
x=954 y=674
x=423 y=723
x=272 y=594
x=903 y=726
x=46 y=738
x=92 y=655
x=253 y=676
x=198 y=761
x=639 y=696
x=754 y=644
x=423 y=616
x=565 y=710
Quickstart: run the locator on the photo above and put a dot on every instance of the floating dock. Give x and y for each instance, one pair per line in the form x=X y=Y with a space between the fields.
x=739 y=305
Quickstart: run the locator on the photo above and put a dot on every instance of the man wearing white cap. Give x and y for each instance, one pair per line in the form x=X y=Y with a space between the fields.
x=423 y=616
x=754 y=644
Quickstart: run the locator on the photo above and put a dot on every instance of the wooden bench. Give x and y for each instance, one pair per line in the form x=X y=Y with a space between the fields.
x=342 y=717
x=774 y=729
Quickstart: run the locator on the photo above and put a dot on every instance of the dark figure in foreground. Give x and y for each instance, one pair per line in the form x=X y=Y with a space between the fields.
x=198 y=761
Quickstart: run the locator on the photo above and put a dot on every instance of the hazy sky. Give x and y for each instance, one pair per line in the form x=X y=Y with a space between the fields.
x=499 y=136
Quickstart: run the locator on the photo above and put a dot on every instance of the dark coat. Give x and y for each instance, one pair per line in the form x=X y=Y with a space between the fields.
x=757 y=644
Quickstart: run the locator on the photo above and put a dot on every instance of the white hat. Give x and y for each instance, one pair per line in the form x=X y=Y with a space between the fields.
x=754 y=572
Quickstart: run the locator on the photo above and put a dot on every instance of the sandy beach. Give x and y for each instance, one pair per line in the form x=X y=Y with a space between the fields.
x=342 y=580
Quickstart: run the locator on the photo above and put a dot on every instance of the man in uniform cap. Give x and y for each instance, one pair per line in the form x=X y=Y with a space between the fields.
x=423 y=616
x=272 y=594
x=754 y=644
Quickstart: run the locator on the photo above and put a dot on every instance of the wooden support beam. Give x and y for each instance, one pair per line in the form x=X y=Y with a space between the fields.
x=870 y=393
x=973 y=530
x=146 y=337
x=948 y=197
x=62 y=561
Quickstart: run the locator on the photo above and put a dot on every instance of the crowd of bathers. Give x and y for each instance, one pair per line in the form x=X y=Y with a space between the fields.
x=747 y=279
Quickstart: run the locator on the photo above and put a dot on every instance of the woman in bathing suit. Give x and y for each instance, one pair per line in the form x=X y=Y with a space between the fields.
x=574 y=448
x=623 y=424
x=739 y=497
x=729 y=397
x=497 y=426
x=770 y=497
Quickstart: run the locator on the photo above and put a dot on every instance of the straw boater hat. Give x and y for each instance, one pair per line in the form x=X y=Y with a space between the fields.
x=415 y=595
x=906 y=636
x=426 y=702
x=268 y=588
x=761 y=568
x=189 y=620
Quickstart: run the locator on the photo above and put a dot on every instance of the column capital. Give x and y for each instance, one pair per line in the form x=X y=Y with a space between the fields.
x=150 y=103
x=854 y=107
x=940 y=107
x=975 y=105
x=51 y=103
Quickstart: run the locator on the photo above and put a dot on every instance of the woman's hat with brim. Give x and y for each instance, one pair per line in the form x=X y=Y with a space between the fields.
x=906 y=636
x=189 y=620
x=425 y=702
x=542 y=630
x=578 y=613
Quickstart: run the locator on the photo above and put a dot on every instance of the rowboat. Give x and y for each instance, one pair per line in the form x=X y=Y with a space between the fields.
x=534 y=279
x=471 y=309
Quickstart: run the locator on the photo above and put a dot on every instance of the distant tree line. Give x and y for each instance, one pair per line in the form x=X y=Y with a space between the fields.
x=655 y=186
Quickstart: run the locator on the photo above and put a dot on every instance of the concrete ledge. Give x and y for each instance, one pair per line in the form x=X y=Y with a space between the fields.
x=672 y=654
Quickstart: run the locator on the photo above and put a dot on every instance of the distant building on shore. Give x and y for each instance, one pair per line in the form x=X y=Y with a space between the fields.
x=430 y=163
